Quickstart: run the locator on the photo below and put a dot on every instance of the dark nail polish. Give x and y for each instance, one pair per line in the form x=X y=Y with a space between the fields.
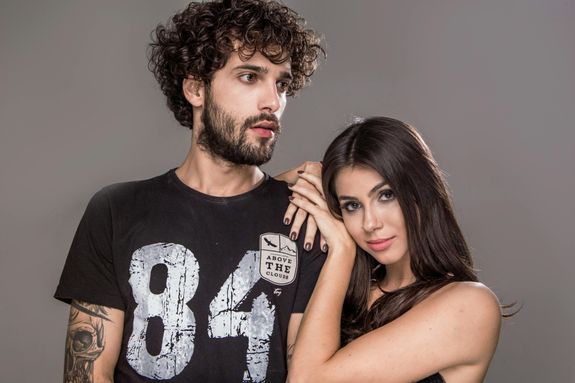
x=324 y=248
x=286 y=221
x=299 y=171
x=290 y=197
x=293 y=236
x=307 y=246
x=290 y=185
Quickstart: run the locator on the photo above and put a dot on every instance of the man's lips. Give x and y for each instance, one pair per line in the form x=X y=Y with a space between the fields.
x=380 y=244
x=265 y=128
x=266 y=125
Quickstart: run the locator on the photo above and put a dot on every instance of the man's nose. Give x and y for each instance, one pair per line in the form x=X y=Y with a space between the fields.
x=270 y=100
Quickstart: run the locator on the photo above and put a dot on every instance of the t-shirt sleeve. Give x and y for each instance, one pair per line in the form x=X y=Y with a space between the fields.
x=88 y=273
x=311 y=264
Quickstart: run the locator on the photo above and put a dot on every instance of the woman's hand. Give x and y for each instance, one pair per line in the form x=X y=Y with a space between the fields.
x=309 y=197
x=295 y=216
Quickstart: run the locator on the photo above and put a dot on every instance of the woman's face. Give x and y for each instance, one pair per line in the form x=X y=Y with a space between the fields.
x=372 y=215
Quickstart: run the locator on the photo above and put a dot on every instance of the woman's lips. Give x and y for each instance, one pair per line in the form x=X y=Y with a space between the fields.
x=380 y=244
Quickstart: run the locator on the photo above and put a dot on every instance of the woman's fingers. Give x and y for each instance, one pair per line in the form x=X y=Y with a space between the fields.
x=311 y=193
x=314 y=180
x=333 y=231
x=295 y=216
x=297 y=223
x=289 y=214
x=310 y=230
x=303 y=202
x=323 y=244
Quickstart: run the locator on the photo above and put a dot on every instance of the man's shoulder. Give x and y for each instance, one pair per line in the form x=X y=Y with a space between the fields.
x=277 y=186
x=122 y=191
x=273 y=193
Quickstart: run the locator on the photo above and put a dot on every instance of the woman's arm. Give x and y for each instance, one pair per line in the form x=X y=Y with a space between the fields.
x=454 y=331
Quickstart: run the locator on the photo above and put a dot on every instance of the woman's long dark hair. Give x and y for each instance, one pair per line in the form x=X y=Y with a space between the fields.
x=438 y=252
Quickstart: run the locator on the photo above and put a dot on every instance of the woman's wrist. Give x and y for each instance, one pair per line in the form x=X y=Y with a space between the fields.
x=345 y=249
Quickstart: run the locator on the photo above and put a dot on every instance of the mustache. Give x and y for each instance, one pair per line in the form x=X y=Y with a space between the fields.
x=250 y=121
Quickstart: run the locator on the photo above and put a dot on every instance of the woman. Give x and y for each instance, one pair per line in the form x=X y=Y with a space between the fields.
x=398 y=273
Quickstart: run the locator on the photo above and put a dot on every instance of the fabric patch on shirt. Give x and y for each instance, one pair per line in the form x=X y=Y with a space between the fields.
x=278 y=258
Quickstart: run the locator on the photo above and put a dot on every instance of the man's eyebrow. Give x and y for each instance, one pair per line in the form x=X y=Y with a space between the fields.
x=261 y=69
x=255 y=68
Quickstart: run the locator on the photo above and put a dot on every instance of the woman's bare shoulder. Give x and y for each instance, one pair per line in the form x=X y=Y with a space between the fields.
x=468 y=294
x=468 y=309
x=463 y=298
x=454 y=331
x=465 y=317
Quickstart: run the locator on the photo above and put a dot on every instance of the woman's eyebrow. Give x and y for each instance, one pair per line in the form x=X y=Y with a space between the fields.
x=370 y=193
x=377 y=187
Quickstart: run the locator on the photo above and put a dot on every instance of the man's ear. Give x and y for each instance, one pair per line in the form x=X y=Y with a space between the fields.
x=194 y=91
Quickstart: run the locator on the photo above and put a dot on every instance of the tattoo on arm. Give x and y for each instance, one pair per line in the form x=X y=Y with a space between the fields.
x=84 y=341
x=92 y=310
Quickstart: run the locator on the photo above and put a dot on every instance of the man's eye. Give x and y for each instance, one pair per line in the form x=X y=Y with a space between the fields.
x=248 y=77
x=283 y=86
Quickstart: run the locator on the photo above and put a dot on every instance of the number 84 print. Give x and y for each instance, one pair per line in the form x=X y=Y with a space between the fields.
x=179 y=320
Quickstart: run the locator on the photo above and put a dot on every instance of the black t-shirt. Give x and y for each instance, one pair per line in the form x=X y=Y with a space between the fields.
x=207 y=284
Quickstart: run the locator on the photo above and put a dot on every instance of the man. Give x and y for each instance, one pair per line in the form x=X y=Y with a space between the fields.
x=192 y=276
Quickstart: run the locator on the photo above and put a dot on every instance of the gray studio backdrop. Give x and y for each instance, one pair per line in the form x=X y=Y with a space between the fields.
x=490 y=84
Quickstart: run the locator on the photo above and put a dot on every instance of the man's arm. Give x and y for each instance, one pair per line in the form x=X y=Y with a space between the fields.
x=93 y=343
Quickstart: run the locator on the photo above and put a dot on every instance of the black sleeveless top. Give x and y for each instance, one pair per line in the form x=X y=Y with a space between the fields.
x=435 y=378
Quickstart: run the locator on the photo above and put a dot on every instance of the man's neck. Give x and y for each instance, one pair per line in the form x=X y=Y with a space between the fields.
x=213 y=176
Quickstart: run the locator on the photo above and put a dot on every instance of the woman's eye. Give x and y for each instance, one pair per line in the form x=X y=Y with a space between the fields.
x=350 y=206
x=386 y=195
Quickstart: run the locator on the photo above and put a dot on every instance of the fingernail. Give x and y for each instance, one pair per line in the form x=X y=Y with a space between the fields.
x=307 y=246
x=299 y=171
x=286 y=221
x=290 y=197
x=324 y=248
x=290 y=185
x=293 y=236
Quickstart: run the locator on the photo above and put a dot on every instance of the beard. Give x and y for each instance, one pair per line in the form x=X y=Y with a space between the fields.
x=218 y=136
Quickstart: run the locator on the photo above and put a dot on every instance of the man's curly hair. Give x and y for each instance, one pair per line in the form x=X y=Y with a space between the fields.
x=197 y=42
